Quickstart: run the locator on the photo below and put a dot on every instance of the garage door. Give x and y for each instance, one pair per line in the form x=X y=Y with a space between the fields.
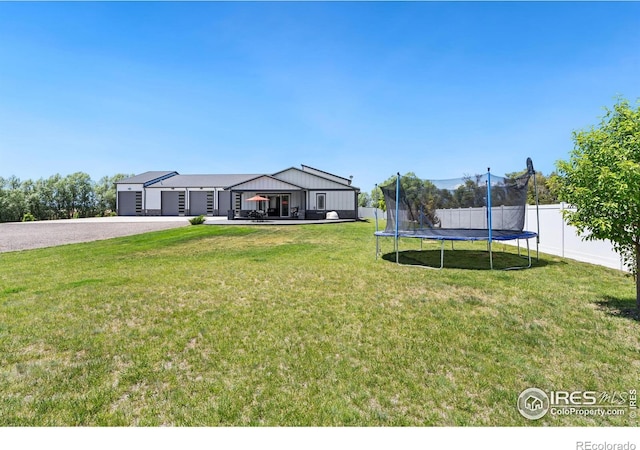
x=200 y=203
x=172 y=203
x=130 y=203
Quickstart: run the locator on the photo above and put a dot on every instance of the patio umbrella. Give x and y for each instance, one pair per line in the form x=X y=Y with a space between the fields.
x=257 y=198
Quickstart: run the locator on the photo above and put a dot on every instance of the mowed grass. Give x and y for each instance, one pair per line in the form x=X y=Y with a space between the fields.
x=301 y=325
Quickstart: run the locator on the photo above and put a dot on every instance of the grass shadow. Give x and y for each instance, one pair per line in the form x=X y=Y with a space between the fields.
x=620 y=307
x=463 y=259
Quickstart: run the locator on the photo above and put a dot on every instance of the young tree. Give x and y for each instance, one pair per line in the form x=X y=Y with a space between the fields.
x=602 y=180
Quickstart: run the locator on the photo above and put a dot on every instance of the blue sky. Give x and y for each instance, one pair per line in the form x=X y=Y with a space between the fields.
x=359 y=88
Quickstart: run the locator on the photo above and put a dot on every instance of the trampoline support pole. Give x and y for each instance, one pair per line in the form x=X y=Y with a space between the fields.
x=375 y=206
x=489 y=214
x=375 y=214
x=397 y=218
x=490 y=256
x=535 y=185
x=532 y=171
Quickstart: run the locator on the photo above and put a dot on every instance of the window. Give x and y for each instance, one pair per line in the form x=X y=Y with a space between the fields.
x=320 y=202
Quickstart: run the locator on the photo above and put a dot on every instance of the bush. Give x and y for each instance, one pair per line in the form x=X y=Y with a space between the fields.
x=28 y=217
x=197 y=220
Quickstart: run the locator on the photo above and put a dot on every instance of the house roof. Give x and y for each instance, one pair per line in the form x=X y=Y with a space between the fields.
x=197 y=181
x=314 y=175
x=332 y=176
x=148 y=178
x=264 y=183
x=172 y=179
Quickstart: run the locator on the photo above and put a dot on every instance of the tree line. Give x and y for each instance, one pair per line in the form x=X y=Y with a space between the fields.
x=57 y=197
x=548 y=190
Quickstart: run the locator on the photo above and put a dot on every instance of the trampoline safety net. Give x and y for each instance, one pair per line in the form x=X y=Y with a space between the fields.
x=457 y=208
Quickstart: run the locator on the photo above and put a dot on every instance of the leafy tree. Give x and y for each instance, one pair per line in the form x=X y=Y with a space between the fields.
x=50 y=196
x=602 y=180
x=547 y=188
x=105 y=192
x=81 y=194
x=31 y=198
x=12 y=200
x=364 y=200
x=472 y=193
x=377 y=198
x=421 y=196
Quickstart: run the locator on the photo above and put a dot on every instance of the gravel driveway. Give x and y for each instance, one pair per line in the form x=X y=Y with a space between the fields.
x=27 y=235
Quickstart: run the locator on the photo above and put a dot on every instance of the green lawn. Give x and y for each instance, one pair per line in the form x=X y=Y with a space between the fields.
x=301 y=325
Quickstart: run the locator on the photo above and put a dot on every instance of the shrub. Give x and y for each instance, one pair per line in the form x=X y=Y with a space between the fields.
x=28 y=217
x=197 y=220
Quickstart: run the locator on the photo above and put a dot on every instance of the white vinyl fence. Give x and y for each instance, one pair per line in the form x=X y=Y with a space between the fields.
x=369 y=213
x=556 y=237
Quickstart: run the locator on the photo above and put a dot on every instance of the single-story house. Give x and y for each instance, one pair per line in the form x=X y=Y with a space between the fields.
x=304 y=193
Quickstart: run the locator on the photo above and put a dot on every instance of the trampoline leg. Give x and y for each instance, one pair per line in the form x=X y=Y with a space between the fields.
x=519 y=246
x=377 y=246
x=528 y=258
x=490 y=256
x=442 y=253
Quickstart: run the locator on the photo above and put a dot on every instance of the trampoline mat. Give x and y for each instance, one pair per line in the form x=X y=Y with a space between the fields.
x=461 y=234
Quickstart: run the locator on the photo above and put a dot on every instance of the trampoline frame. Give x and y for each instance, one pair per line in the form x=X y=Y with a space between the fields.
x=526 y=235
x=502 y=235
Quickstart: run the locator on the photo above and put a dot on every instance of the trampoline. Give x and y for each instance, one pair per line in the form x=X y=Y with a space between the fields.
x=479 y=208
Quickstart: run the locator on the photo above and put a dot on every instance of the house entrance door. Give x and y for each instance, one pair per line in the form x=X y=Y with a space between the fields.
x=284 y=206
x=279 y=205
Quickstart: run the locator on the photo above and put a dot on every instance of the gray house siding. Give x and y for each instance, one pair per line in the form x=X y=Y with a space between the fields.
x=224 y=203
